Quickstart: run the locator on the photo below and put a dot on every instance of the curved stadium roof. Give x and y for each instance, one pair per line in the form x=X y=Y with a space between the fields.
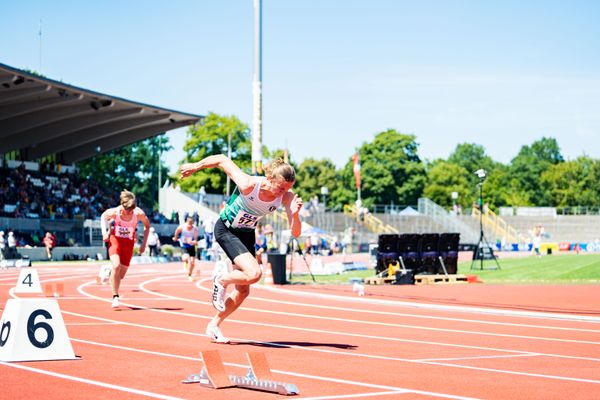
x=40 y=117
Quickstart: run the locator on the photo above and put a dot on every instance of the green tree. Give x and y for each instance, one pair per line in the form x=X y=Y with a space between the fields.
x=391 y=170
x=313 y=174
x=529 y=165
x=573 y=183
x=344 y=192
x=210 y=137
x=471 y=157
x=133 y=167
x=445 y=177
x=501 y=189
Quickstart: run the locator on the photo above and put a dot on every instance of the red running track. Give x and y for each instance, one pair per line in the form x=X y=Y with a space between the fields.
x=397 y=342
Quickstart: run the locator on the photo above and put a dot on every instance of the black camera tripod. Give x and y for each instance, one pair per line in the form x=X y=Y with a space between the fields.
x=294 y=247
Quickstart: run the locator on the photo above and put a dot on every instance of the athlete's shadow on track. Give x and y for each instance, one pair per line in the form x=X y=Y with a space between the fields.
x=300 y=344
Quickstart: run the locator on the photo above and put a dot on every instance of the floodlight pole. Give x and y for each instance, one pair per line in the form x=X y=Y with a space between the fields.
x=159 y=174
x=257 y=91
x=229 y=156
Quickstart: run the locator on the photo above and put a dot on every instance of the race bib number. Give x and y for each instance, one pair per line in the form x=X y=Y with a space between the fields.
x=124 y=232
x=245 y=220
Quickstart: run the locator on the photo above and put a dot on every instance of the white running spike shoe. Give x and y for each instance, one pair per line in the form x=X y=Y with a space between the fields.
x=219 y=294
x=215 y=334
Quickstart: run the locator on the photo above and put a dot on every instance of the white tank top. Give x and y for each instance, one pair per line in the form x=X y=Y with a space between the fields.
x=125 y=229
x=187 y=236
x=244 y=211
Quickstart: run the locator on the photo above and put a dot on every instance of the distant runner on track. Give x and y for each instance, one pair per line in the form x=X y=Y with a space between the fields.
x=187 y=236
x=254 y=197
x=121 y=237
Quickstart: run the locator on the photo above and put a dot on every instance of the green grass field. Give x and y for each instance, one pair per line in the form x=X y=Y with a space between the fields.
x=553 y=269
x=560 y=269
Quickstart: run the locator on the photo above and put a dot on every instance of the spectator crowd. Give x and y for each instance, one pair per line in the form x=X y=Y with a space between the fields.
x=45 y=194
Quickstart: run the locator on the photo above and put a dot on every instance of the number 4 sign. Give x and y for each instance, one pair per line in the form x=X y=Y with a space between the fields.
x=29 y=281
x=34 y=330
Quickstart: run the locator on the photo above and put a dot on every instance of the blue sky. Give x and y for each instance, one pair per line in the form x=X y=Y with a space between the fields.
x=498 y=73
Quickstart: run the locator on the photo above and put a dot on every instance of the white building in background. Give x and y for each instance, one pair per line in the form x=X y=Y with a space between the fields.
x=171 y=200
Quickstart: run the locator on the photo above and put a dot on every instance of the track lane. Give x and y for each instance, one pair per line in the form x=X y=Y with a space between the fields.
x=192 y=316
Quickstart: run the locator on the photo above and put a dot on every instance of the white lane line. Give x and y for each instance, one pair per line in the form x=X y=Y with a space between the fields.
x=91 y=382
x=128 y=298
x=331 y=318
x=546 y=376
x=11 y=292
x=306 y=376
x=154 y=353
x=478 y=357
x=142 y=287
x=506 y=371
x=398 y=314
x=351 y=396
x=91 y=323
x=13 y=278
x=370 y=356
x=439 y=307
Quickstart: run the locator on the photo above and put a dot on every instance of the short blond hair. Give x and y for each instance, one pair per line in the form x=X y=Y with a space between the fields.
x=279 y=168
x=128 y=200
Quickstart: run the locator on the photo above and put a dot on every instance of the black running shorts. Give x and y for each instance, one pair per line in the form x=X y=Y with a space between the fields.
x=233 y=241
x=191 y=250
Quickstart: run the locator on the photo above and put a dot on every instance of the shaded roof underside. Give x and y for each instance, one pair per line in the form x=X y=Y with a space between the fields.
x=40 y=117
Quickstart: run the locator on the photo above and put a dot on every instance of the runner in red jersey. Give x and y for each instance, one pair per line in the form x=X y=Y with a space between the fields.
x=121 y=237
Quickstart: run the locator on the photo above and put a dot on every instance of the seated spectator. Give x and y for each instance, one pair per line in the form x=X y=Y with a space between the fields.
x=44 y=194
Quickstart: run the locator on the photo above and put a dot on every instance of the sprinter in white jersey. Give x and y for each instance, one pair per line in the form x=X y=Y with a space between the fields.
x=254 y=197
x=187 y=235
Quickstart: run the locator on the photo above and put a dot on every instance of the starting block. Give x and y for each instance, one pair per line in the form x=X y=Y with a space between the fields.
x=54 y=289
x=259 y=376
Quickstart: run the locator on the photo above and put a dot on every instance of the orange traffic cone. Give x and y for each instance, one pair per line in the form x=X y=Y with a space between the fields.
x=268 y=275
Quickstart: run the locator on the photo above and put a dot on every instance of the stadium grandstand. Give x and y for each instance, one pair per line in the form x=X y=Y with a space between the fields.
x=46 y=127
x=41 y=117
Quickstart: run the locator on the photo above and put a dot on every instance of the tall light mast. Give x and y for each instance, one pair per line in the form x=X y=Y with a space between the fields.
x=257 y=91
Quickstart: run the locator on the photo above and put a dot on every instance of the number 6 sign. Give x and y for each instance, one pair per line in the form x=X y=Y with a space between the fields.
x=33 y=330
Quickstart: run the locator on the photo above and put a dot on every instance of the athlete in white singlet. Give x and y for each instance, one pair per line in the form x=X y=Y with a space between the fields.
x=187 y=234
x=253 y=198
